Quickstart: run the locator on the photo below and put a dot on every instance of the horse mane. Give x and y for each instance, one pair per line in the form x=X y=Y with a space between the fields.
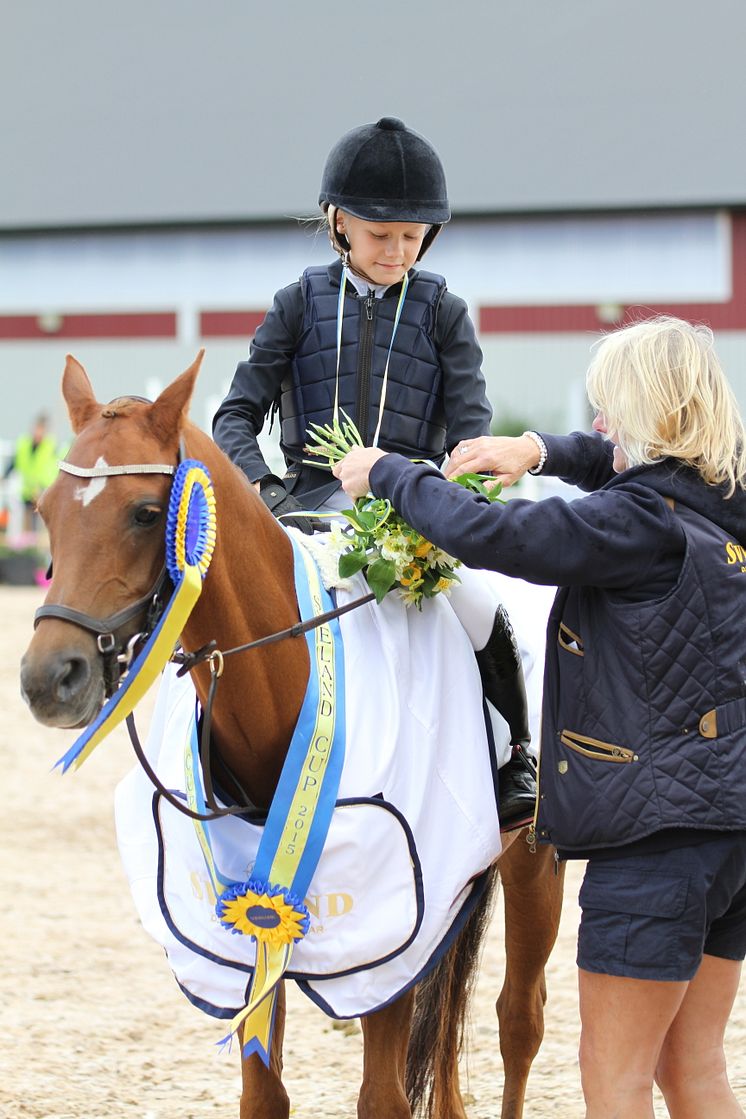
x=121 y=406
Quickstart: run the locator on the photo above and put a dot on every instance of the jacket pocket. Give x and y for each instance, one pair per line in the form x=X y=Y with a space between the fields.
x=596 y=748
x=570 y=641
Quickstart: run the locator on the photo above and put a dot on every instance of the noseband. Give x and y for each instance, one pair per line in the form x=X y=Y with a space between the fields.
x=116 y=656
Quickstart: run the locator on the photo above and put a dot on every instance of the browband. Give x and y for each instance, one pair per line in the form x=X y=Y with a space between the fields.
x=107 y=471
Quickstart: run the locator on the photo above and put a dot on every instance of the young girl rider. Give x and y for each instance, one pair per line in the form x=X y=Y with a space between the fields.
x=384 y=341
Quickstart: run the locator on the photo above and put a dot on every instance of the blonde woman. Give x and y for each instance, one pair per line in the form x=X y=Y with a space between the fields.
x=643 y=752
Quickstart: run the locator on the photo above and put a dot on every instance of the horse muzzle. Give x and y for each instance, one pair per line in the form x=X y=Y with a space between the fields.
x=62 y=687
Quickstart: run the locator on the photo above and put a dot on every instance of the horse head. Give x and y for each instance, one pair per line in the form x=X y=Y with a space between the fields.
x=107 y=539
x=107 y=515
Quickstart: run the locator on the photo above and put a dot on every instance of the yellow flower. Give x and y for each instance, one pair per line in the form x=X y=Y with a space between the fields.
x=411 y=574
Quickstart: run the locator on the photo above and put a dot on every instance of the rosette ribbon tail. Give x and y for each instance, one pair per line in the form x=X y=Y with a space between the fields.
x=143 y=673
x=256 y=1021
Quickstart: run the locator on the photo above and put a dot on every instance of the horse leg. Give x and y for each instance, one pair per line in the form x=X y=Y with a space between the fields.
x=262 y=1093
x=385 y=1042
x=532 y=888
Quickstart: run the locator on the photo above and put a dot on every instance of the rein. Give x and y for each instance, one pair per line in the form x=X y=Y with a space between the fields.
x=117 y=660
x=207 y=652
x=216 y=657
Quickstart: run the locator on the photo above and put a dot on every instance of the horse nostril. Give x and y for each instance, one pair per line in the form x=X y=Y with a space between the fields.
x=71 y=678
x=64 y=690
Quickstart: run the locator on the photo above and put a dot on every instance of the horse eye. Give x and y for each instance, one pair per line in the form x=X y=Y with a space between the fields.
x=148 y=515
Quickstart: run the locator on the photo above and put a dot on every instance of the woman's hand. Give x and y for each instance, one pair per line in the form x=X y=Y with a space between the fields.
x=505 y=457
x=354 y=469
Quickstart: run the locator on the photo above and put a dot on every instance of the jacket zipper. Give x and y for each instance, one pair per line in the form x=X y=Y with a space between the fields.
x=364 y=362
x=531 y=833
x=596 y=748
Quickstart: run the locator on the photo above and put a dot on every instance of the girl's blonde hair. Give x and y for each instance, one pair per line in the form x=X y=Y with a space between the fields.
x=661 y=388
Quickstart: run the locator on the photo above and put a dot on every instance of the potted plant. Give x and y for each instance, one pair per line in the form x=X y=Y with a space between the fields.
x=23 y=563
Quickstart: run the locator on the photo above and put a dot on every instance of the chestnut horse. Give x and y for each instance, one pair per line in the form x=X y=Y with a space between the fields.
x=107 y=554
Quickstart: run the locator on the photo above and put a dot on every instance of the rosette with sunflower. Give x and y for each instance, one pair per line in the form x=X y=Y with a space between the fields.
x=272 y=914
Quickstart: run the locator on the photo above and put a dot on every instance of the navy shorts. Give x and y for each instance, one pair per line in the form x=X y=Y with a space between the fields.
x=654 y=915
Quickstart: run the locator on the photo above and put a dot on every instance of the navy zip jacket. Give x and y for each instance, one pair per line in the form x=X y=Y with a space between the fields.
x=644 y=717
x=435 y=396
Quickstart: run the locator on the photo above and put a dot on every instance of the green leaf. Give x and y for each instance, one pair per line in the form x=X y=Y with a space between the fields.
x=381 y=576
x=477 y=483
x=354 y=517
x=371 y=513
x=381 y=509
x=367 y=519
x=352 y=562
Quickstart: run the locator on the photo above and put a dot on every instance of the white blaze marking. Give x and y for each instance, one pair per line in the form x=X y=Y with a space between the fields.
x=89 y=491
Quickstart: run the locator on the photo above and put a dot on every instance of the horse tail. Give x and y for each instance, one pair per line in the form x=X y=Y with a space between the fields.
x=442 y=1002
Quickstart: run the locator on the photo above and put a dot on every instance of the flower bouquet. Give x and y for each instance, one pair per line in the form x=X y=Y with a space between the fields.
x=376 y=540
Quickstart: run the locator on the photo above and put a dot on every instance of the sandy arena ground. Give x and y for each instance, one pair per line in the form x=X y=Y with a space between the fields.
x=92 y=1023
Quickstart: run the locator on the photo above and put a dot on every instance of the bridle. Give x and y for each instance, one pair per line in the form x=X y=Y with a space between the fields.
x=116 y=653
x=117 y=656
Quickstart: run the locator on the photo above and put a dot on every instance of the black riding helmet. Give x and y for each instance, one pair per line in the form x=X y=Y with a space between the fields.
x=386 y=172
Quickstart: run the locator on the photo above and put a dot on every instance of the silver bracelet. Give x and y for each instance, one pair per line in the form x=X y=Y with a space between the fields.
x=542 y=451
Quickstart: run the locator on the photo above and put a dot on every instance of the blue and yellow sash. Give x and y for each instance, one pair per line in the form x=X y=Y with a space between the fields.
x=269 y=906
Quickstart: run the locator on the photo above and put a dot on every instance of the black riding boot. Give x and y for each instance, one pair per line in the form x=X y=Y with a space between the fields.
x=504 y=686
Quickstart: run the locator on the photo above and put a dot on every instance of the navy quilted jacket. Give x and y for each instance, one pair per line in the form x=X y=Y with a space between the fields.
x=644 y=720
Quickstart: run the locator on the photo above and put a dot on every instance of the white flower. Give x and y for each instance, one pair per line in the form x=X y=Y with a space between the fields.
x=339 y=536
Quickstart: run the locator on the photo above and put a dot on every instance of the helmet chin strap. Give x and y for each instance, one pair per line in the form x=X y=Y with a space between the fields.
x=428 y=239
x=343 y=247
x=339 y=241
x=358 y=271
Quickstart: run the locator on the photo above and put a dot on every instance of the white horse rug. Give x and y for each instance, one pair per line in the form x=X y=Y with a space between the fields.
x=414 y=827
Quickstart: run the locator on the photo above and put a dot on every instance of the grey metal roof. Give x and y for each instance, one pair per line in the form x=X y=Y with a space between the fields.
x=178 y=111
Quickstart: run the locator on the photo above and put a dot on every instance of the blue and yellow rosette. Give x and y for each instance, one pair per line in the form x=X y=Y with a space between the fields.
x=276 y=919
x=191 y=524
x=190 y=543
x=272 y=914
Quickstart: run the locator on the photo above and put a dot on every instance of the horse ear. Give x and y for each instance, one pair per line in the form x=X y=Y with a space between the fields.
x=81 y=401
x=168 y=413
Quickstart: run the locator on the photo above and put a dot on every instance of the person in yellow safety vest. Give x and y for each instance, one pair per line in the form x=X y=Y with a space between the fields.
x=35 y=461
